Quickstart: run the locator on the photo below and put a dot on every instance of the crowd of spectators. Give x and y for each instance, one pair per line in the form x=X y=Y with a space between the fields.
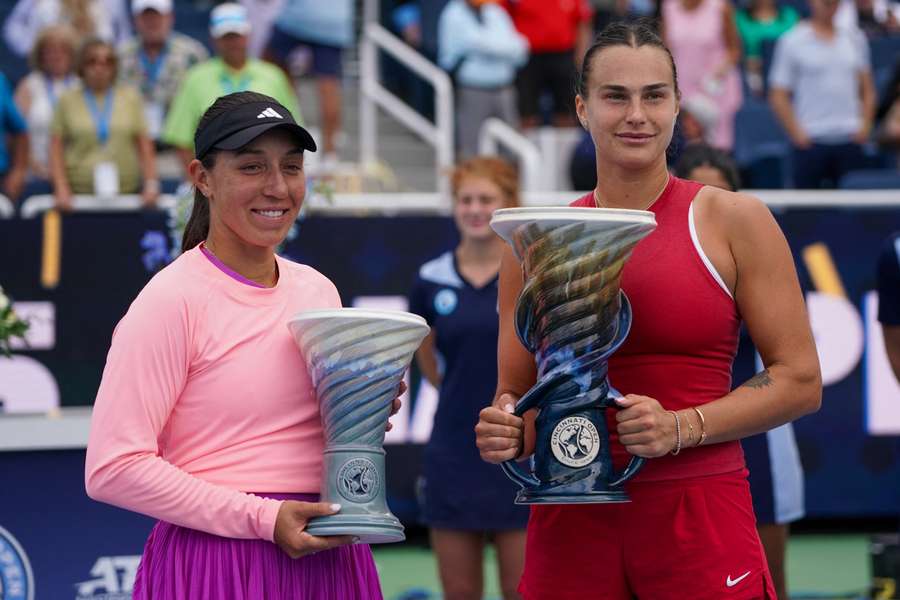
x=811 y=74
x=113 y=84
x=823 y=75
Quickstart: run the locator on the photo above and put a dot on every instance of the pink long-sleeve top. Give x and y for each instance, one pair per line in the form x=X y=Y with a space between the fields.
x=206 y=398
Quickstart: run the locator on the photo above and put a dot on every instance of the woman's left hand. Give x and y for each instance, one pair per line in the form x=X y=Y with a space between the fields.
x=645 y=427
x=150 y=193
x=395 y=406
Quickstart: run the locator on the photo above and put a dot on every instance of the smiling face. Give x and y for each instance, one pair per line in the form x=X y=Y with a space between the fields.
x=630 y=105
x=475 y=201
x=254 y=193
x=99 y=67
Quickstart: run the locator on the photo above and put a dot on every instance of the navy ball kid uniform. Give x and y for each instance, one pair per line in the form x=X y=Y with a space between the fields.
x=461 y=491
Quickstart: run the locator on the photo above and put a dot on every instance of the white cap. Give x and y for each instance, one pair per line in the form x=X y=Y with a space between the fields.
x=161 y=6
x=228 y=18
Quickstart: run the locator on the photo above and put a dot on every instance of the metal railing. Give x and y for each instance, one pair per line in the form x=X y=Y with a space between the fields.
x=495 y=132
x=36 y=205
x=389 y=204
x=373 y=95
x=7 y=210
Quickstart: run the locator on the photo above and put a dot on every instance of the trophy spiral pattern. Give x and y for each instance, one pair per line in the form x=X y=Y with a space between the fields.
x=571 y=313
x=356 y=360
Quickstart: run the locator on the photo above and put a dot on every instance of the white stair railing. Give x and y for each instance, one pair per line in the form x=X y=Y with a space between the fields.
x=373 y=95
x=495 y=132
x=6 y=208
x=36 y=205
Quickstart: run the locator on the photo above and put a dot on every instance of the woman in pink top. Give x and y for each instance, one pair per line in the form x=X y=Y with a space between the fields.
x=206 y=417
x=704 y=41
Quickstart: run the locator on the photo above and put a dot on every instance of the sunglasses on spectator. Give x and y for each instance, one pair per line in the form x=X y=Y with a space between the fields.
x=100 y=60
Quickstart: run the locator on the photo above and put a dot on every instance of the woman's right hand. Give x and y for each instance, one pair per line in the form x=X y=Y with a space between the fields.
x=290 y=525
x=63 y=200
x=499 y=434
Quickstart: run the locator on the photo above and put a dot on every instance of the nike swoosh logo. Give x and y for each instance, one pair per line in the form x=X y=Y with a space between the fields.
x=733 y=582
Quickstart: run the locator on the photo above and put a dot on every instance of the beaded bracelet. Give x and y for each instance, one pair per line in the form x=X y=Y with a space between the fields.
x=702 y=426
x=677 y=448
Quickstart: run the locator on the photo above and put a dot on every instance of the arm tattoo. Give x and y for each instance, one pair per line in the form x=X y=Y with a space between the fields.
x=760 y=380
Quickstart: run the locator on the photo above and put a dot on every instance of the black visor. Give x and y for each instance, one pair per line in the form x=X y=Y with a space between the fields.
x=237 y=127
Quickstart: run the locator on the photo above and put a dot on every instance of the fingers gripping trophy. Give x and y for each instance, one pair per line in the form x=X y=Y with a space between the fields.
x=572 y=315
x=356 y=359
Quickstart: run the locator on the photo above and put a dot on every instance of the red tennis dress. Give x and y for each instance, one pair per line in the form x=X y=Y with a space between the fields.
x=689 y=531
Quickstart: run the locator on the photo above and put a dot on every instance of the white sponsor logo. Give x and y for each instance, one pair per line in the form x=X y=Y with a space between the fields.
x=16 y=578
x=269 y=112
x=114 y=579
x=575 y=441
x=733 y=582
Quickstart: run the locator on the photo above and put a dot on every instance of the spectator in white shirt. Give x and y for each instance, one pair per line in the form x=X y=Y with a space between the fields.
x=821 y=90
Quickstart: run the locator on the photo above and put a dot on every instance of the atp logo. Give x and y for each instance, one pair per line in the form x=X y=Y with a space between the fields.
x=16 y=577
x=114 y=579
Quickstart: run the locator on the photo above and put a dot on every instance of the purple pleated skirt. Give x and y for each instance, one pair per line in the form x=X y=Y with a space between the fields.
x=185 y=564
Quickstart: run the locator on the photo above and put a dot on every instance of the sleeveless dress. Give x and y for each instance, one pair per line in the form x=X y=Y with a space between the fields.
x=690 y=524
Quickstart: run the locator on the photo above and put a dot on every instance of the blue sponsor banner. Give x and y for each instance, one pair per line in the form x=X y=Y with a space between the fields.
x=77 y=548
x=67 y=546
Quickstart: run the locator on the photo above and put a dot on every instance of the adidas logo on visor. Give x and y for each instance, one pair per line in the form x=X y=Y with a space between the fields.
x=269 y=113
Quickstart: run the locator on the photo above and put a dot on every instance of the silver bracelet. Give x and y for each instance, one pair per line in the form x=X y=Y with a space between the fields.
x=677 y=448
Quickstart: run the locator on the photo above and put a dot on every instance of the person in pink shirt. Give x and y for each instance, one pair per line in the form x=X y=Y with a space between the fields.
x=206 y=418
x=704 y=40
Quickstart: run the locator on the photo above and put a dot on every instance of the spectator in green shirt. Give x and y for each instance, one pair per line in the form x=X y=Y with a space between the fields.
x=232 y=70
x=762 y=20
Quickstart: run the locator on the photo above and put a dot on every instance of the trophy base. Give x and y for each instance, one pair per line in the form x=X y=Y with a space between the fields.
x=531 y=496
x=369 y=529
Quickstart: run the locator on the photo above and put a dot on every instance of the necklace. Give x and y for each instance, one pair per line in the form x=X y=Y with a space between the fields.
x=656 y=197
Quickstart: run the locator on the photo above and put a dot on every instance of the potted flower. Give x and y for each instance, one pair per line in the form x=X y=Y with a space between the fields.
x=11 y=326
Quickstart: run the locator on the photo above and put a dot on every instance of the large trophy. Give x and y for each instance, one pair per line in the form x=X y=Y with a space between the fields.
x=572 y=315
x=356 y=359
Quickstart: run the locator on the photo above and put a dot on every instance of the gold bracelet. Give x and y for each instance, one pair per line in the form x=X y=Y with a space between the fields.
x=690 y=433
x=702 y=426
x=677 y=448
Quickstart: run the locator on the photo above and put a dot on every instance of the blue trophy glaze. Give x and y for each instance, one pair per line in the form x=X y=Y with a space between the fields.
x=356 y=360
x=572 y=315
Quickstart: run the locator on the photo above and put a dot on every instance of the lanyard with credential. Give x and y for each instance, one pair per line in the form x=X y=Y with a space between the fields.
x=228 y=86
x=152 y=68
x=101 y=118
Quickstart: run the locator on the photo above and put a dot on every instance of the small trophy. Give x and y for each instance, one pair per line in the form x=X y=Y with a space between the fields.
x=356 y=359
x=572 y=315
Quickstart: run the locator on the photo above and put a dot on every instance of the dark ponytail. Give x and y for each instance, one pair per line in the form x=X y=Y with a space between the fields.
x=197 y=228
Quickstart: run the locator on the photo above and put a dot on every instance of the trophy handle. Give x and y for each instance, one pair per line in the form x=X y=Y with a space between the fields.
x=513 y=468
x=636 y=462
x=634 y=465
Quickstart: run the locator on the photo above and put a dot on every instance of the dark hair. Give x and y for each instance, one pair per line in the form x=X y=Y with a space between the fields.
x=197 y=228
x=702 y=155
x=634 y=34
x=85 y=50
